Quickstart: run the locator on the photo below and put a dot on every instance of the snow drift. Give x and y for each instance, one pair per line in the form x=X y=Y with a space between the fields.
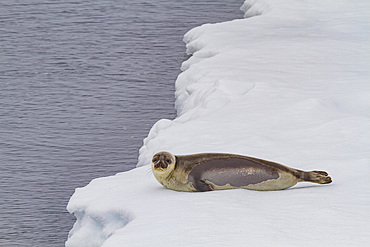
x=290 y=84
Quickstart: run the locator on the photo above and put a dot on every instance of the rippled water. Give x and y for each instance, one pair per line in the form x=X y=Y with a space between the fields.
x=81 y=83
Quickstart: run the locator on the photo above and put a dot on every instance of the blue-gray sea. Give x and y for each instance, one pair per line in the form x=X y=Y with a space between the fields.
x=81 y=84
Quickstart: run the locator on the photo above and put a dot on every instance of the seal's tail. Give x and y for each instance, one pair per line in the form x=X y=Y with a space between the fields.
x=319 y=177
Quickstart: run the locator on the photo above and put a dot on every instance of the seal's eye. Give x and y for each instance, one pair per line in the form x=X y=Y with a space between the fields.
x=155 y=160
x=168 y=161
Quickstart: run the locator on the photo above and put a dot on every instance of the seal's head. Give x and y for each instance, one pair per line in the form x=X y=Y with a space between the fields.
x=163 y=163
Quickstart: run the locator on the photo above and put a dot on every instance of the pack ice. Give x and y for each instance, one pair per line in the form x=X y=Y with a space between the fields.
x=288 y=83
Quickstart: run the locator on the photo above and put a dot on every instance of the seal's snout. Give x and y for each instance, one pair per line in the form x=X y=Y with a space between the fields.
x=160 y=165
x=161 y=161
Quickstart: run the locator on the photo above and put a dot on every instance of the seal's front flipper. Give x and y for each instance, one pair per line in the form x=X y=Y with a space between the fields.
x=202 y=186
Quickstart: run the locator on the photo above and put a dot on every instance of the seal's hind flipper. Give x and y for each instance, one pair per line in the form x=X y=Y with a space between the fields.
x=319 y=177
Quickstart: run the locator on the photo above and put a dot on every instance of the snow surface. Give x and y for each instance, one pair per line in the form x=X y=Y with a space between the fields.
x=289 y=84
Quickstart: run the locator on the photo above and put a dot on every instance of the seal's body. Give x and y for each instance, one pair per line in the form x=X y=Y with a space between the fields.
x=217 y=171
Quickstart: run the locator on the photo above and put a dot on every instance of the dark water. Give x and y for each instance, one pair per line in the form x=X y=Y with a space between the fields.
x=81 y=83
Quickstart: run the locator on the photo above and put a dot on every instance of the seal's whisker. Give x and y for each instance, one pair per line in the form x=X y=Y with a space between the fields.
x=149 y=172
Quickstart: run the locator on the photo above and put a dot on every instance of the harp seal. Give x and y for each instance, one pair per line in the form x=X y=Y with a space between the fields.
x=219 y=171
